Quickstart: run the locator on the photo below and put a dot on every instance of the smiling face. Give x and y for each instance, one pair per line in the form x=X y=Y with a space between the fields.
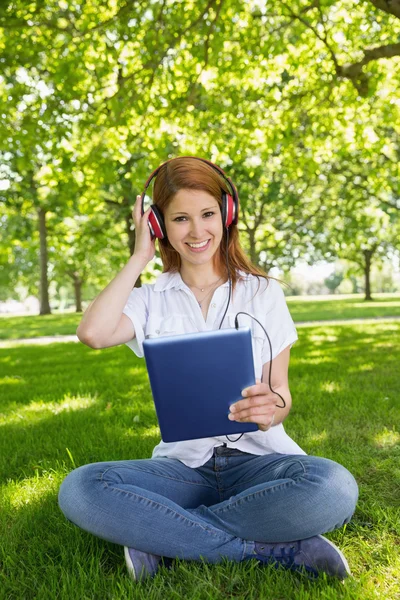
x=194 y=226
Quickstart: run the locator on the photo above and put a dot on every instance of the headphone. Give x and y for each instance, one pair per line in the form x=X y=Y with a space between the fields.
x=229 y=208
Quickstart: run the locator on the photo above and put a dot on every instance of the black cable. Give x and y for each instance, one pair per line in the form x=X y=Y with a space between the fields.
x=229 y=277
x=237 y=327
x=227 y=304
x=270 y=364
x=270 y=349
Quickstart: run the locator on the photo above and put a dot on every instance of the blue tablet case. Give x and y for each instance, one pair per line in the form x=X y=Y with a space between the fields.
x=194 y=379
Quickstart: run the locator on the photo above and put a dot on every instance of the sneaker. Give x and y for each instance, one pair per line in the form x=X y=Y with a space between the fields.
x=141 y=564
x=313 y=554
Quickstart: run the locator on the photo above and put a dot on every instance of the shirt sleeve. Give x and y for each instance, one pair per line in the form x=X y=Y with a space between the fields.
x=137 y=310
x=277 y=321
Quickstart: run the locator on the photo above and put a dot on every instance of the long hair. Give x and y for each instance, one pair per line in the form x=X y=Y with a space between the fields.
x=191 y=173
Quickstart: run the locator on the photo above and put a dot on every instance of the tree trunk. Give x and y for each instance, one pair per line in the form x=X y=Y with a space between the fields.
x=78 y=291
x=252 y=245
x=44 y=284
x=367 y=273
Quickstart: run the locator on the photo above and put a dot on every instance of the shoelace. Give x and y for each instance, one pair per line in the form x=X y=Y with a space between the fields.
x=286 y=556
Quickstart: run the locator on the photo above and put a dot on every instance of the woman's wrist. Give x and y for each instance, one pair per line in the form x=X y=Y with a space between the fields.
x=140 y=260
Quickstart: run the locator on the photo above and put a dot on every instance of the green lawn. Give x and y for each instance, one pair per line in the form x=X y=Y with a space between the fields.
x=311 y=308
x=65 y=405
x=325 y=308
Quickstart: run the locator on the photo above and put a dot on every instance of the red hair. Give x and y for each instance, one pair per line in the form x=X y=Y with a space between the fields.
x=189 y=173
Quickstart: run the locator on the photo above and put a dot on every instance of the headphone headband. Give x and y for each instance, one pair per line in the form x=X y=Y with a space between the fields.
x=230 y=203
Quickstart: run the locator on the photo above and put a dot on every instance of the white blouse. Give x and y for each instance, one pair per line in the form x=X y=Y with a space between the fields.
x=168 y=307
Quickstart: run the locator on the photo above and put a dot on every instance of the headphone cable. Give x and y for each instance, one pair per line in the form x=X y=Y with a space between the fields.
x=229 y=276
x=237 y=327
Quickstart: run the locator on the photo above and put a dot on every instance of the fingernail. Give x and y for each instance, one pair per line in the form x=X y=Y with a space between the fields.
x=231 y=417
x=244 y=392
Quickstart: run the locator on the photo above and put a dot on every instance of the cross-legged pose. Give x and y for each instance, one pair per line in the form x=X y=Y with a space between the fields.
x=260 y=497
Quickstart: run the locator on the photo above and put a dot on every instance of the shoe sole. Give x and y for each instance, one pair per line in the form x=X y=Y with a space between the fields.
x=342 y=556
x=129 y=564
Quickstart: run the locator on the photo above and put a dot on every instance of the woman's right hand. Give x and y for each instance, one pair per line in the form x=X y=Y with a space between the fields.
x=145 y=247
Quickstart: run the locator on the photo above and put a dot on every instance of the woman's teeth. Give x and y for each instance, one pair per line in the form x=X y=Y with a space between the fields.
x=200 y=245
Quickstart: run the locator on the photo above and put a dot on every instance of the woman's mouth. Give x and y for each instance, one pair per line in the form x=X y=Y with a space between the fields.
x=199 y=247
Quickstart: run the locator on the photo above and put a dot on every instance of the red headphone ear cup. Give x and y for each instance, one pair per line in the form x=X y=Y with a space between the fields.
x=228 y=210
x=235 y=210
x=156 y=221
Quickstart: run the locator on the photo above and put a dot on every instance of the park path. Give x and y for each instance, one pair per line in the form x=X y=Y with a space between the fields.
x=73 y=338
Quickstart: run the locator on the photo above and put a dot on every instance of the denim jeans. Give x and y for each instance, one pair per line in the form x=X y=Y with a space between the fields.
x=211 y=512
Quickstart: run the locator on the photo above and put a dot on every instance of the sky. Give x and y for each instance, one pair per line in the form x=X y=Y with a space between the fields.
x=318 y=272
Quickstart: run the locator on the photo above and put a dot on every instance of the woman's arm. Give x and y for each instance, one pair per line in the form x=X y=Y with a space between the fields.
x=279 y=383
x=259 y=403
x=103 y=316
x=103 y=323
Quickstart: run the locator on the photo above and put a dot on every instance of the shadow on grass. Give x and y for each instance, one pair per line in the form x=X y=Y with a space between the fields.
x=12 y=328
x=75 y=438
x=29 y=373
x=51 y=558
x=47 y=556
x=98 y=405
x=336 y=307
x=95 y=403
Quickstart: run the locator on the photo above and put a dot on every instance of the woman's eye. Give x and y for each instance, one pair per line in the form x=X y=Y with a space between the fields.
x=207 y=214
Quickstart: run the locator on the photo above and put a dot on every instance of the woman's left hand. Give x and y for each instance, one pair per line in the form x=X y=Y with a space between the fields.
x=258 y=406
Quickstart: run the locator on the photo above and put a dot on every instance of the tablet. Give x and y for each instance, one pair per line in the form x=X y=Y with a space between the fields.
x=194 y=379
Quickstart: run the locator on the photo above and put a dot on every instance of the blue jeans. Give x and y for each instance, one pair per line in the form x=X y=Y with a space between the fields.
x=214 y=511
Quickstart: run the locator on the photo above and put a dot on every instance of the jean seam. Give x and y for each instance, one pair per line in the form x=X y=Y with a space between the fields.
x=216 y=533
x=265 y=491
x=237 y=503
x=254 y=478
x=246 y=482
x=245 y=550
x=158 y=475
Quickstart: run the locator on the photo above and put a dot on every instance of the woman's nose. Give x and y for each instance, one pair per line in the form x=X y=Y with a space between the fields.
x=197 y=228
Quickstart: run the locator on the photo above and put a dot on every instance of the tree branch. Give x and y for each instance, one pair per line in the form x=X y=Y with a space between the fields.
x=323 y=39
x=154 y=63
x=192 y=85
x=391 y=7
x=353 y=71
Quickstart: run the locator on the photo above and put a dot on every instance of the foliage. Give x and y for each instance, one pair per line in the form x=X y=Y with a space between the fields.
x=297 y=101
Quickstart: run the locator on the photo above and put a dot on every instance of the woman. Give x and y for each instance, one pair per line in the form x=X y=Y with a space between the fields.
x=258 y=497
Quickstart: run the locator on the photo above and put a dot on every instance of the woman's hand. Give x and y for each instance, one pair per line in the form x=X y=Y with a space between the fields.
x=259 y=406
x=145 y=247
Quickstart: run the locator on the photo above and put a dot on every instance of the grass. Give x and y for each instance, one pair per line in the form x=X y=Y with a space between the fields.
x=307 y=308
x=64 y=405
x=325 y=308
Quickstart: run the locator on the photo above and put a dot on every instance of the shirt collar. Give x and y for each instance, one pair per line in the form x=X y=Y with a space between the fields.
x=173 y=279
x=169 y=280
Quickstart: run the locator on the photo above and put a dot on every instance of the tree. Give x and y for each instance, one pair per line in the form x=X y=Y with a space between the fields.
x=95 y=95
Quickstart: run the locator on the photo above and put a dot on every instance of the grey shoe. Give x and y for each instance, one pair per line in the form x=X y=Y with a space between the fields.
x=141 y=564
x=314 y=554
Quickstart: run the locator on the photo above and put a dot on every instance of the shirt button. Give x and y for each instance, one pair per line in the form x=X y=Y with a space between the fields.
x=157 y=331
x=213 y=305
